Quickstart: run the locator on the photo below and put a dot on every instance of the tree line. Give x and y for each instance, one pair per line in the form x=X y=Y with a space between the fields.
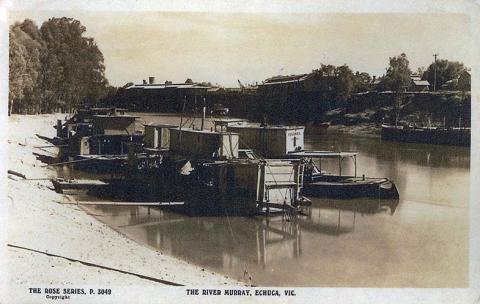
x=340 y=83
x=397 y=77
x=54 y=67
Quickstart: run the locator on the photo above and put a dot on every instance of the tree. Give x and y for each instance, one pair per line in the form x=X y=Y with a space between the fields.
x=420 y=71
x=362 y=82
x=464 y=81
x=344 y=82
x=17 y=67
x=25 y=48
x=189 y=81
x=73 y=69
x=398 y=74
x=446 y=70
x=54 y=66
x=338 y=80
x=397 y=79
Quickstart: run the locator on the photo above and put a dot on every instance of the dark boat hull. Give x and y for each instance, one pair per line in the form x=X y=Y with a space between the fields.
x=351 y=187
x=101 y=163
x=116 y=163
x=453 y=137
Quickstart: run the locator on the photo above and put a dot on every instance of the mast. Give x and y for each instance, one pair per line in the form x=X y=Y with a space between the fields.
x=181 y=116
x=435 y=74
x=183 y=110
x=204 y=108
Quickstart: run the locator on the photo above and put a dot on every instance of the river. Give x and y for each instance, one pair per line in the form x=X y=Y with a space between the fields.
x=420 y=240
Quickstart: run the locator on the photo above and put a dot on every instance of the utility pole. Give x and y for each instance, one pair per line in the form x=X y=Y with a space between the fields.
x=435 y=73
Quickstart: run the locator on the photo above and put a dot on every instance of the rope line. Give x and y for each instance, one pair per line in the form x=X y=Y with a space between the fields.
x=99 y=266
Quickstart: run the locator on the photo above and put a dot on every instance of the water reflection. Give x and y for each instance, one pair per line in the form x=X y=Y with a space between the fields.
x=230 y=244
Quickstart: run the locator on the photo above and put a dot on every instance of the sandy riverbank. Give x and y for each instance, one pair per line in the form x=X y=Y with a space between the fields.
x=38 y=220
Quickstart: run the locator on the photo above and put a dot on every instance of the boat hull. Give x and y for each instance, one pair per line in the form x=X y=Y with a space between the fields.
x=351 y=187
x=436 y=136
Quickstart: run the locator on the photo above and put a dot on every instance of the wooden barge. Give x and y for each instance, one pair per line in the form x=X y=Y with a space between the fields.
x=435 y=136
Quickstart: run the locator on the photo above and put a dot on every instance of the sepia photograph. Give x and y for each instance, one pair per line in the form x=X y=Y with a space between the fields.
x=239 y=152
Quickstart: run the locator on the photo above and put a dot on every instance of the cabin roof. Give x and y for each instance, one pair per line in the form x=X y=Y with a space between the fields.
x=288 y=78
x=323 y=154
x=162 y=86
x=246 y=161
x=106 y=108
x=206 y=132
x=271 y=127
x=160 y=125
x=421 y=82
x=113 y=117
x=226 y=121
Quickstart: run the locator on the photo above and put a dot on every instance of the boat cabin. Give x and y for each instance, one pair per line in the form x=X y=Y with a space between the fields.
x=255 y=185
x=269 y=141
x=114 y=125
x=204 y=143
x=108 y=144
x=82 y=122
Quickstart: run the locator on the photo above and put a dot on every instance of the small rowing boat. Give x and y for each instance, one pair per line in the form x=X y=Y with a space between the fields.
x=334 y=186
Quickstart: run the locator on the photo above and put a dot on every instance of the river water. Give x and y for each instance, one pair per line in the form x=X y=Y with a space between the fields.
x=420 y=240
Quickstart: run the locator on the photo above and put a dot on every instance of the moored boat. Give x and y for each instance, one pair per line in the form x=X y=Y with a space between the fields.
x=334 y=186
x=437 y=136
x=318 y=183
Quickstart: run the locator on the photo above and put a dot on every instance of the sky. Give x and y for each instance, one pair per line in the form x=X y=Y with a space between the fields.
x=223 y=47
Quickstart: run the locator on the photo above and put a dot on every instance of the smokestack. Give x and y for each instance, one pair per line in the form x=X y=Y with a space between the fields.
x=144 y=81
x=151 y=80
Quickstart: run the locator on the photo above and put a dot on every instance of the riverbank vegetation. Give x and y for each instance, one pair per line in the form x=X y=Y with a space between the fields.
x=54 y=67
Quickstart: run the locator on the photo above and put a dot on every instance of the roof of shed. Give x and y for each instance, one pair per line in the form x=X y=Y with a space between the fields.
x=421 y=82
x=168 y=86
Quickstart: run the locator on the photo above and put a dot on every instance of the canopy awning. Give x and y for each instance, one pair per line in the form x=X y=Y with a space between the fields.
x=322 y=154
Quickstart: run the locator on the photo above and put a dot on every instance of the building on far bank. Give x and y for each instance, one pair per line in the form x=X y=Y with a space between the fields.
x=313 y=82
x=284 y=84
x=417 y=84
x=162 y=97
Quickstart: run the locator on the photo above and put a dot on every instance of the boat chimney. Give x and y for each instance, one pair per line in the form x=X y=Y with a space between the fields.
x=204 y=108
x=144 y=82
x=151 y=80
